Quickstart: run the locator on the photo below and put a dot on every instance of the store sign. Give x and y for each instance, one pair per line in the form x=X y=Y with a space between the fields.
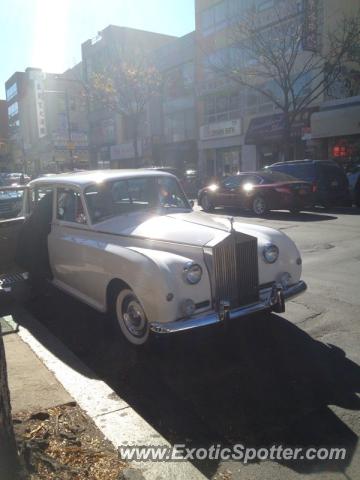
x=272 y=127
x=220 y=129
x=310 y=25
x=61 y=141
x=124 y=150
x=337 y=122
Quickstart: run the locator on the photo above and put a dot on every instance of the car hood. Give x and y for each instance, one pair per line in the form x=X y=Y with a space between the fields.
x=192 y=228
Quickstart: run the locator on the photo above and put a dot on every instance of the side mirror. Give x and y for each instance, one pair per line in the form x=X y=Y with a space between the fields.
x=191 y=203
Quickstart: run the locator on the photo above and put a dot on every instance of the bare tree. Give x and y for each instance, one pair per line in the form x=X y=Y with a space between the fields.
x=8 y=452
x=126 y=88
x=284 y=56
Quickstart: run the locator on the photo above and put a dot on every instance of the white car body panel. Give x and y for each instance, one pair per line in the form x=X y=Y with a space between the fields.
x=148 y=251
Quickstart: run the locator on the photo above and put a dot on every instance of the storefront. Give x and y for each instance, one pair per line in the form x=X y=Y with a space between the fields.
x=220 y=149
x=267 y=134
x=335 y=129
x=180 y=155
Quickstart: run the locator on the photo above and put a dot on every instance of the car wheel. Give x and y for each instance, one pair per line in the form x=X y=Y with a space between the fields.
x=130 y=318
x=357 y=196
x=259 y=206
x=206 y=203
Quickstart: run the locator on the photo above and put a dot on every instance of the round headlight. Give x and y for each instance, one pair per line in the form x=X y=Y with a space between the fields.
x=271 y=253
x=192 y=273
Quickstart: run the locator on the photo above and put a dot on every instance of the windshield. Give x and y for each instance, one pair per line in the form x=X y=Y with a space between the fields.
x=133 y=194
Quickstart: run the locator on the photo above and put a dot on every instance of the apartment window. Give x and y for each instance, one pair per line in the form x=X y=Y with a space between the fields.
x=11 y=92
x=221 y=107
x=214 y=18
x=264 y=5
x=13 y=109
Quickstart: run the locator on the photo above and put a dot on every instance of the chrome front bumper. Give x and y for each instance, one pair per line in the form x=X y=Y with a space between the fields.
x=270 y=298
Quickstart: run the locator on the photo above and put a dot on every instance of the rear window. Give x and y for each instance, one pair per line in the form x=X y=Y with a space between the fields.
x=275 y=177
x=303 y=171
x=330 y=171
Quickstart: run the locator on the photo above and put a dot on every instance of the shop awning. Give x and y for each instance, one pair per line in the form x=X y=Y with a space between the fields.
x=336 y=122
x=270 y=128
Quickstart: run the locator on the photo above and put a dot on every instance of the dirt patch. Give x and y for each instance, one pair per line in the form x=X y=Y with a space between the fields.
x=64 y=443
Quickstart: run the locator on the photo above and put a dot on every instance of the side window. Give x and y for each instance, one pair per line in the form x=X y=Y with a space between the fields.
x=69 y=206
x=37 y=194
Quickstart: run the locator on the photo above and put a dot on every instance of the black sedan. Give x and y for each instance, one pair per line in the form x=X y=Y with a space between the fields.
x=259 y=192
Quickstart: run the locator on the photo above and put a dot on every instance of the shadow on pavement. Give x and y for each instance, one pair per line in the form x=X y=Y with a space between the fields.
x=338 y=210
x=258 y=382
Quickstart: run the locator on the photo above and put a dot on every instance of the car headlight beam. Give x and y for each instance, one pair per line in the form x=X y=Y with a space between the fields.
x=192 y=273
x=270 y=253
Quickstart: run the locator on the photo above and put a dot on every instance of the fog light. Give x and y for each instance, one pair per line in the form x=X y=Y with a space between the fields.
x=285 y=280
x=187 y=307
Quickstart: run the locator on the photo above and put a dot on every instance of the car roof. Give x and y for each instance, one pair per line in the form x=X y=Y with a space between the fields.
x=303 y=162
x=89 y=177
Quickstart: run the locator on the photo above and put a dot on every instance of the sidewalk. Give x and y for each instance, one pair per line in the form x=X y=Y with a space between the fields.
x=32 y=386
x=43 y=373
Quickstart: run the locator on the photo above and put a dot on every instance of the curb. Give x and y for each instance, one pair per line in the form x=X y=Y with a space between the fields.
x=117 y=420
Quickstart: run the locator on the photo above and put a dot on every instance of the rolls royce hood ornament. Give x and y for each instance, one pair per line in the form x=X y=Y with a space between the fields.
x=231 y=220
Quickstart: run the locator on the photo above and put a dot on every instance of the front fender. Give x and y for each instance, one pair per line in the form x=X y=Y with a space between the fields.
x=165 y=276
x=289 y=254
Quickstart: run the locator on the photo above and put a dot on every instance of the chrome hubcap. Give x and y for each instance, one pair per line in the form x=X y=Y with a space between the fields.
x=259 y=205
x=134 y=318
x=205 y=202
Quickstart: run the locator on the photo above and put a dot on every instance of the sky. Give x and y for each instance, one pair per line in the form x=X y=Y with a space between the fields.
x=48 y=33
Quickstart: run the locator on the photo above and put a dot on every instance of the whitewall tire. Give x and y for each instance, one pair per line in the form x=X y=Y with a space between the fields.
x=131 y=317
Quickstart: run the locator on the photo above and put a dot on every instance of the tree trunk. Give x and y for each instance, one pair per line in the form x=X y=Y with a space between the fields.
x=8 y=451
x=135 y=140
x=286 y=138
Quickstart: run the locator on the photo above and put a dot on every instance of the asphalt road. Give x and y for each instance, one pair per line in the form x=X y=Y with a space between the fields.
x=291 y=379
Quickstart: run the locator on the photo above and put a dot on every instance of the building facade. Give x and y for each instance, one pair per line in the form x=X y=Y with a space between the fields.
x=177 y=145
x=47 y=121
x=242 y=130
x=110 y=135
x=5 y=154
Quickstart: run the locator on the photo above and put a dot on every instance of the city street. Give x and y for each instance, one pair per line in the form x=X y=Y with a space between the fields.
x=291 y=379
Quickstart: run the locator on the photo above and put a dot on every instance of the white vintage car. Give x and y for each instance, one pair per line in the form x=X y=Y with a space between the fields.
x=127 y=242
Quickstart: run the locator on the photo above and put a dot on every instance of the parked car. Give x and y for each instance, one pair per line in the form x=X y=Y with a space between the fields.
x=258 y=192
x=353 y=176
x=16 y=179
x=127 y=242
x=11 y=201
x=329 y=183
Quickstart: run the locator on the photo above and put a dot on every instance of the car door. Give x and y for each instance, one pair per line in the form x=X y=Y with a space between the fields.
x=13 y=211
x=67 y=240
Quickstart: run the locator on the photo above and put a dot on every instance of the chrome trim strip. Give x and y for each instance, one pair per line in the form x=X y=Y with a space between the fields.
x=210 y=318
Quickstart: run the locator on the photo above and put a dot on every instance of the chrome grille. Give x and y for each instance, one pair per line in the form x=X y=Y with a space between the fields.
x=235 y=263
